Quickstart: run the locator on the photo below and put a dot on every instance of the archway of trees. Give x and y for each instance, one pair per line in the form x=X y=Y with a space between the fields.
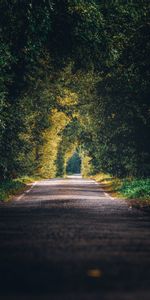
x=74 y=73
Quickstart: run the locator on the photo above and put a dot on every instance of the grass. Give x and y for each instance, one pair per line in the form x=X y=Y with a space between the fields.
x=128 y=188
x=11 y=187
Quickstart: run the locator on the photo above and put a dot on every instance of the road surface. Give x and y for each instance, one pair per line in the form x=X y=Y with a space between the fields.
x=66 y=239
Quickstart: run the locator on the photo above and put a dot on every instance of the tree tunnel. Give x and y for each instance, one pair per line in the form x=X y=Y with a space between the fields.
x=65 y=83
x=74 y=164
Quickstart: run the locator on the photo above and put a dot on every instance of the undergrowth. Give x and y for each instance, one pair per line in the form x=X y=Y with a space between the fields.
x=130 y=188
x=12 y=187
x=136 y=188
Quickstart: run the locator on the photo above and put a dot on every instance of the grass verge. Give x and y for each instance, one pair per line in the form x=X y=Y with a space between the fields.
x=133 y=189
x=11 y=187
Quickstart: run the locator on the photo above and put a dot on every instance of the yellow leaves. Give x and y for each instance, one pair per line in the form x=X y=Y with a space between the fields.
x=52 y=140
x=102 y=178
x=69 y=98
x=86 y=165
x=58 y=120
x=83 y=8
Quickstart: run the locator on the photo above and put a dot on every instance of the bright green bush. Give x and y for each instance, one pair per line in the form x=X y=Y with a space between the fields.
x=10 y=187
x=136 y=188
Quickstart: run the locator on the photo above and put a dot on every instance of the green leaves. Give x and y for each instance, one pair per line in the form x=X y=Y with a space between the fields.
x=89 y=61
x=136 y=189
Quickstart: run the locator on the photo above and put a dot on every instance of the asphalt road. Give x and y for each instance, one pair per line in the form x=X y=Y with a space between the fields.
x=68 y=240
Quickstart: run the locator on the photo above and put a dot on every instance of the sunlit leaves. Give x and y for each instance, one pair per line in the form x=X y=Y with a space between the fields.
x=74 y=72
x=69 y=98
x=52 y=139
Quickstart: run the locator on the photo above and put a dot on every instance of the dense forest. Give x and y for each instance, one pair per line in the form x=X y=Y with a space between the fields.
x=74 y=75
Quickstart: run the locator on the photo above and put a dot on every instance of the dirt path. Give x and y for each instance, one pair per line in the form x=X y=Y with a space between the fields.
x=66 y=239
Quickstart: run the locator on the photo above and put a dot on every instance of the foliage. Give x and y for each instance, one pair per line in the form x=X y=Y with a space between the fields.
x=10 y=187
x=52 y=140
x=74 y=74
x=74 y=164
x=118 y=116
x=86 y=166
x=134 y=189
x=131 y=188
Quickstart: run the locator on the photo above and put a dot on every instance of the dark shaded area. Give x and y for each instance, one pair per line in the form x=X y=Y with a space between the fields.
x=74 y=164
x=98 y=50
